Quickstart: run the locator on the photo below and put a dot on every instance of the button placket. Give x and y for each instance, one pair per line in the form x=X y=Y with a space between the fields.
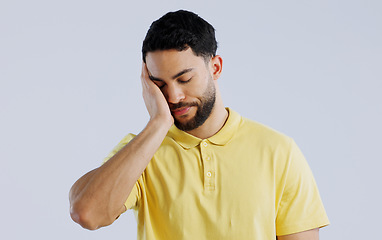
x=209 y=166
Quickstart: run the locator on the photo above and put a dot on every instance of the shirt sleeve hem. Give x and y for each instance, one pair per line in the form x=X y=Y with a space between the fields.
x=291 y=229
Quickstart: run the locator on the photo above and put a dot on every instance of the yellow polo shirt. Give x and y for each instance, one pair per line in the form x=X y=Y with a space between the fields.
x=245 y=182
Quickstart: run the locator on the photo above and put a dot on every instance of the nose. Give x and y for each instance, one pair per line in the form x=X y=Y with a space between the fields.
x=174 y=93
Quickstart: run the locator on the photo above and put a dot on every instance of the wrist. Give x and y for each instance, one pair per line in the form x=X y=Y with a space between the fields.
x=162 y=122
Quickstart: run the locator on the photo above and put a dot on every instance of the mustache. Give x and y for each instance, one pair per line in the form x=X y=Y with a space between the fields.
x=175 y=106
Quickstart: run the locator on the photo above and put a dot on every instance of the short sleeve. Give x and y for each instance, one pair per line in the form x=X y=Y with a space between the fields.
x=132 y=200
x=300 y=208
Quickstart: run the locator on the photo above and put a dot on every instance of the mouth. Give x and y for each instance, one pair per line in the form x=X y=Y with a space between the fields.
x=180 y=111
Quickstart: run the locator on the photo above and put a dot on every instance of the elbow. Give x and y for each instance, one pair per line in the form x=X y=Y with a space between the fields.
x=83 y=217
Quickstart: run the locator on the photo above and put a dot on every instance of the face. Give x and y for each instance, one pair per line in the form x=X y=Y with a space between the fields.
x=187 y=84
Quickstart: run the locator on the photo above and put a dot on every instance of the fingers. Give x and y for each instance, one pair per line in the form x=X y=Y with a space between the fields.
x=145 y=78
x=155 y=101
x=150 y=90
x=145 y=73
x=146 y=81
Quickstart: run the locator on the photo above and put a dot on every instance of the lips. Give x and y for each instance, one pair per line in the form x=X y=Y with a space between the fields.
x=181 y=111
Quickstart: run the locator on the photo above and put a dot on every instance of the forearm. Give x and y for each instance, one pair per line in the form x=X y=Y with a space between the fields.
x=98 y=197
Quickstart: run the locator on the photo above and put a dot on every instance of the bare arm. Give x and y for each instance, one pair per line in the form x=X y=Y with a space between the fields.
x=98 y=197
x=306 y=235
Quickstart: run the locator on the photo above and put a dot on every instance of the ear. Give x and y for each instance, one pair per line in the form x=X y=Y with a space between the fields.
x=216 y=65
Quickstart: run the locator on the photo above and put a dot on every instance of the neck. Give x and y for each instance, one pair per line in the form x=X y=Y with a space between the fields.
x=214 y=122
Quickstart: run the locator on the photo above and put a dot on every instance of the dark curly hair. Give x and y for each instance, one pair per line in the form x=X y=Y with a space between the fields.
x=180 y=30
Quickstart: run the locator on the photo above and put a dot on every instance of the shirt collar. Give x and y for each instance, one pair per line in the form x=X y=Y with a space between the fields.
x=222 y=137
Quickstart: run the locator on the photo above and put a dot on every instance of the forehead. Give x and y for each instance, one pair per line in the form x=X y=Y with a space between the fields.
x=164 y=63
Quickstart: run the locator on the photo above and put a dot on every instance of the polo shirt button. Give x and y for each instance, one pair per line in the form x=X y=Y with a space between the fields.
x=205 y=144
x=208 y=158
x=209 y=174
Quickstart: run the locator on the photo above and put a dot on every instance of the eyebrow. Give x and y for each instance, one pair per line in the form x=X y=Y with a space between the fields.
x=173 y=77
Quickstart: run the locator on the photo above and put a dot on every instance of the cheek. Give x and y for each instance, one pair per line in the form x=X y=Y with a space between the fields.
x=194 y=90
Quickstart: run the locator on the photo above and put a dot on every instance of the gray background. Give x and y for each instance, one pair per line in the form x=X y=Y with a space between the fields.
x=70 y=90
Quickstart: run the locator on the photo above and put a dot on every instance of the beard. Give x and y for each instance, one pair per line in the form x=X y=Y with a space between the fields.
x=204 y=109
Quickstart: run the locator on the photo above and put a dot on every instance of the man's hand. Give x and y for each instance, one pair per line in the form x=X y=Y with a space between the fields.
x=98 y=197
x=155 y=101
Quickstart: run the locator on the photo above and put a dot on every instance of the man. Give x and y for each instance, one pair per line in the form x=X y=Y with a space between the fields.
x=198 y=170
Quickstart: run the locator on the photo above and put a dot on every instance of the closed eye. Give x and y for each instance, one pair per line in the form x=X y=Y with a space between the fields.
x=186 y=81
